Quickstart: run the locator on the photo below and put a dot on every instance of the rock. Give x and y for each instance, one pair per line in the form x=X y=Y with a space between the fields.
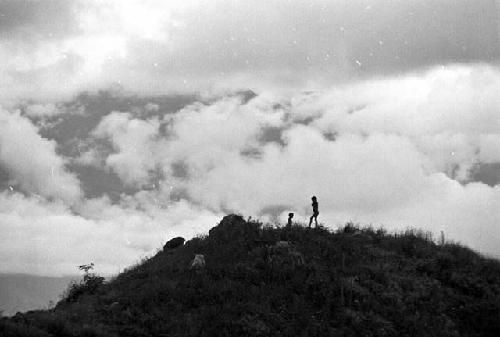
x=233 y=228
x=174 y=243
x=282 y=244
x=231 y=220
x=114 y=306
x=198 y=261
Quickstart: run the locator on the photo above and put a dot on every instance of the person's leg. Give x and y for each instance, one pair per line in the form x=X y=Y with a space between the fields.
x=311 y=220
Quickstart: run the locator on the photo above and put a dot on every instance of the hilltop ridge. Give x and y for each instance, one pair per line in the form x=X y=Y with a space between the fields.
x=260 y=280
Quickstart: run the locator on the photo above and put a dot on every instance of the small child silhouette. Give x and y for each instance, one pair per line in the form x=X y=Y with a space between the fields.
x=289 y=223
x=315 y=211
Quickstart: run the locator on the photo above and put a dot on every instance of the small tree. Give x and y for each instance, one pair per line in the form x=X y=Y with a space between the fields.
x=442 y=241
x=86 y=267
x=89 y=284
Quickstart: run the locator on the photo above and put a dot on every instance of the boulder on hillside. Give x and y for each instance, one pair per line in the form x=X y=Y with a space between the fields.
x=173 y=243
x=198 y=261
x=115 y=306
x=230 y=222
x=235 y=229
x=282 y=244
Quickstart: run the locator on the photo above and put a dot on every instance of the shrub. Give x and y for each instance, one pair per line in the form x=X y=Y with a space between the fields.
x=350 y=228
x=88 y=285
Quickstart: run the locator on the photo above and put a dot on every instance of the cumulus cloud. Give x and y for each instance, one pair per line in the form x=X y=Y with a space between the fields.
x=43 y=110
x=451 y=113
x=390 y=151
x=41 y=237
x=196 y=137
x=133 y=140
x=32 y=161
x=466 y=213
x=395 y=152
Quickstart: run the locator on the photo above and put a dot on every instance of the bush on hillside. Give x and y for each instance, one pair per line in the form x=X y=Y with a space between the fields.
x=88 y=285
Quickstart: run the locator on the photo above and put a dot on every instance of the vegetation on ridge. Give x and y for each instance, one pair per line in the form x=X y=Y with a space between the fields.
x=351 y=282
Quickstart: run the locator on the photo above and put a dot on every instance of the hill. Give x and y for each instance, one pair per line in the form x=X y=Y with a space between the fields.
x=266 y=281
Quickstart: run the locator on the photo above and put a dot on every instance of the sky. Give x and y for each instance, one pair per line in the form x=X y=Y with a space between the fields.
x=125 y=123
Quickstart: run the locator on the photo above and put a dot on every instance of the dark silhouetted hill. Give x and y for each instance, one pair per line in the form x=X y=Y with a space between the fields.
x=266 y=281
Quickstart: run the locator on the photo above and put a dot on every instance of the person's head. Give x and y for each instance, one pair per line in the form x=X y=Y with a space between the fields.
x=290 y=215
x=313 y=198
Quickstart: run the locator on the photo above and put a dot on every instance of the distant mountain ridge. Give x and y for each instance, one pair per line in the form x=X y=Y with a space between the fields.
x=258 y=280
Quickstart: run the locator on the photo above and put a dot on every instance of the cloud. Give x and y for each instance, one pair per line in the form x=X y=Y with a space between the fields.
x=42 y=110
x=349 y=174
x=489 y=148
x=396 y=151
x=194 y=139
x=32 y=161
x=47 y=238
x=279 y=44
x=466 y=213
x=169 y=46
x=47 y=19
x=133 y=140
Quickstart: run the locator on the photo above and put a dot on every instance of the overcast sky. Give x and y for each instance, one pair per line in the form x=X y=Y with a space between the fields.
x=124 y=123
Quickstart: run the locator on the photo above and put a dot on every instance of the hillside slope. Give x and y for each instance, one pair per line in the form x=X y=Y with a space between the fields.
x=265 y=281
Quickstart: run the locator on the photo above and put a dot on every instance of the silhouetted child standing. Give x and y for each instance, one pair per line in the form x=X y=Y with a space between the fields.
x=315 y=211
x=289 y=223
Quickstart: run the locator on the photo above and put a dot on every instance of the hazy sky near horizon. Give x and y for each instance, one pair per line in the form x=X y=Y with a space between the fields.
x=124 y=123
